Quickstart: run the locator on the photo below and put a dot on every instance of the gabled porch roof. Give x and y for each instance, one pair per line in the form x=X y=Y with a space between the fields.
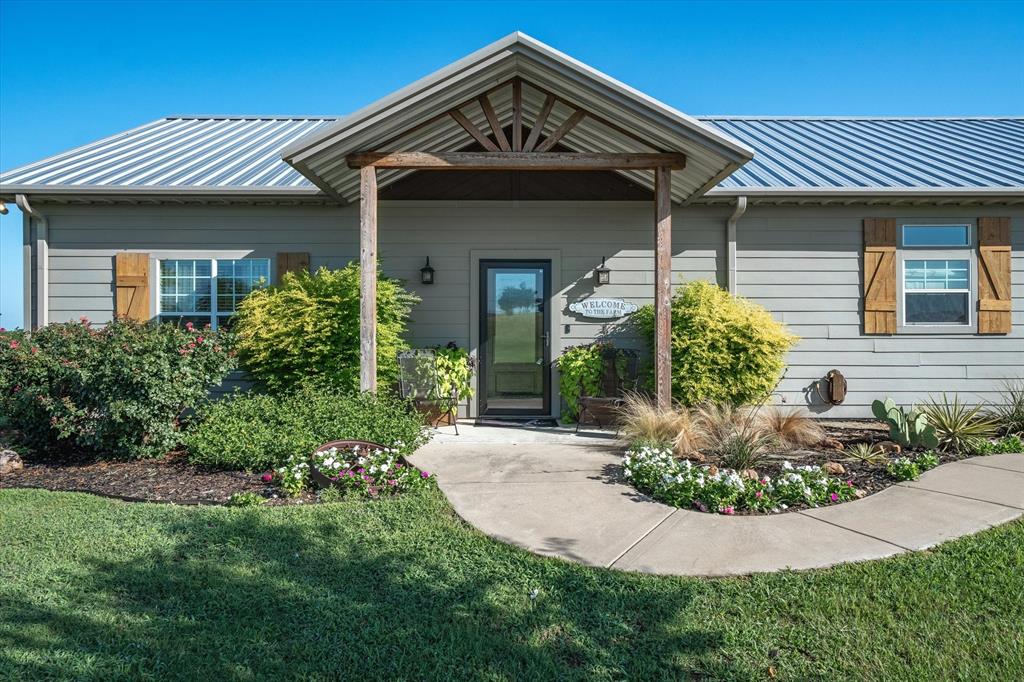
x=616 y=119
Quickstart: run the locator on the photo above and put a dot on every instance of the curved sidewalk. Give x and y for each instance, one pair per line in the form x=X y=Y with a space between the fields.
x=561 y=495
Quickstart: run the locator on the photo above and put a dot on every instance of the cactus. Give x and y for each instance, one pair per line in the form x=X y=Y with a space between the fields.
x=909 y=428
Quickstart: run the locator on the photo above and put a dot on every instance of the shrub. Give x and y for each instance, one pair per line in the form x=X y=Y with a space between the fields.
x=246 y=499
x=791 y=429
x=907 y=469
x=1009 y=412
x=257 y=431
x=725 y=349
x=454 y=370
x=116 y=391
x=308 y=326
x=1002 y=446
x=959 y=427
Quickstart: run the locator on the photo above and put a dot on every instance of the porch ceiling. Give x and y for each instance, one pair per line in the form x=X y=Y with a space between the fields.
x=620 y=119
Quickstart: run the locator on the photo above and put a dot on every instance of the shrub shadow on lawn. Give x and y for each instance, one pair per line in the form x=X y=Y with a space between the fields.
x=346 y=590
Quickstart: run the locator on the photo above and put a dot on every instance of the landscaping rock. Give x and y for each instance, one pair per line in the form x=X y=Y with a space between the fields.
x=834 y=468
x=860 y=494
x=890 y=447
x=712 y=470
x=830 y=444
x=750 y=475
x=10 y=461
x=695 y=457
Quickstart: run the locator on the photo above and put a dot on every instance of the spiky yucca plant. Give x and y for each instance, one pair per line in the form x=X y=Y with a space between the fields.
x=869 y=453
x=958 y=426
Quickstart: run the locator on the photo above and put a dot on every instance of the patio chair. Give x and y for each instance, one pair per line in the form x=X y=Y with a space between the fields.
x=613 y=388
x=419 y=382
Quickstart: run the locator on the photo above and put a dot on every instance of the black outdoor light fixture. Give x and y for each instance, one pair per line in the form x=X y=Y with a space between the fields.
x=427 y=273
x=602 y=275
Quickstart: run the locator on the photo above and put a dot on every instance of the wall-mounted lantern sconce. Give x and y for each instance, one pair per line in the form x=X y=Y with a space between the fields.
x=602 y=275
x=427 y=273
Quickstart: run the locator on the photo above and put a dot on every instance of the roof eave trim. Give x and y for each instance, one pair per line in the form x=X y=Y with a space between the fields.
x=865 y=191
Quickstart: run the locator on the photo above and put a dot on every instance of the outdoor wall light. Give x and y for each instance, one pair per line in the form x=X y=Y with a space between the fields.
x=427 y=273
x=602 y=275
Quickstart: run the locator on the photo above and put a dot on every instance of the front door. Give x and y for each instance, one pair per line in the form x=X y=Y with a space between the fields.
x=515 y=351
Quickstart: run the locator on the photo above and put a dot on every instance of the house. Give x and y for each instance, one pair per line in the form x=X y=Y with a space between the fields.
x=891 y=246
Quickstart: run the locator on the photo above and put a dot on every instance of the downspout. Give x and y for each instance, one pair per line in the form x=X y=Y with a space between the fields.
x=42 y=262
x=730 y=238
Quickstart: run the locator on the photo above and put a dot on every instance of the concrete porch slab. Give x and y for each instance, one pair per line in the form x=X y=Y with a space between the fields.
x=914 y=519
x=970 y=480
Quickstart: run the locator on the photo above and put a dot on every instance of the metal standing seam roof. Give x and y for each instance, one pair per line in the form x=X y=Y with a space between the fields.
x=225 y=154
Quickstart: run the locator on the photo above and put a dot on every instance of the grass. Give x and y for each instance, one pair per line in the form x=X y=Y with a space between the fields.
x=400 y=589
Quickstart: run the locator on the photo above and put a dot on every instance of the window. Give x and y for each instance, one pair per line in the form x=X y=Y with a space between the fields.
x=936 y=277
x=206 y=291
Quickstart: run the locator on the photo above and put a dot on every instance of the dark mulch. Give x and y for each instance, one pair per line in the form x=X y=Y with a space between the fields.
x=169 y=479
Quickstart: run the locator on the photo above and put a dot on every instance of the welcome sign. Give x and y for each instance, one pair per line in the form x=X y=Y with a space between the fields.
x=603 y=308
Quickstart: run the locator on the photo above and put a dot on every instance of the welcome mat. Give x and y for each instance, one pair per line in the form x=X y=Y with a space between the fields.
x=542 y=422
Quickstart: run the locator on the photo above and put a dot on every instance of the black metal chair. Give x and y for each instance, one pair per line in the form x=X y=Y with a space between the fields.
x=620 y=374
x=418 y=381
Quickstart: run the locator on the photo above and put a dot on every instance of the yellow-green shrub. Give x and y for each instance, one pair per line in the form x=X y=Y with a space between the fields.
x=725 y=349
x=308 y=327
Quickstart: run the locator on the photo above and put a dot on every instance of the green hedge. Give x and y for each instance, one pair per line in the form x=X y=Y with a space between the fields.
x=257 y=431
x=725 y=349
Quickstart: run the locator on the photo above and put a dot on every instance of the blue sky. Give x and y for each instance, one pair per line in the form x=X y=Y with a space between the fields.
x=74 y=72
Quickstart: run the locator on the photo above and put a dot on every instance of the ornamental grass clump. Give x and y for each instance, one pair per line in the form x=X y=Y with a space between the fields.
x=308 y=327
x=791 y=429
x=737 y=436
x=682 y=483
x=725 y=349
x=1008 y=412
x=644 y=423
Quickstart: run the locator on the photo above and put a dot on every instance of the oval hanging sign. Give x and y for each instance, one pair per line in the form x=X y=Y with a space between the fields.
x=603 y=308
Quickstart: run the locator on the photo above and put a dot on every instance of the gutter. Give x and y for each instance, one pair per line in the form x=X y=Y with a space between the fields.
x=730 y=238
x=42 y=262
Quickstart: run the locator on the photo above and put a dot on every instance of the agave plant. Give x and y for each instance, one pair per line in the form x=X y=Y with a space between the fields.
x=869 y=453
x=959 y=427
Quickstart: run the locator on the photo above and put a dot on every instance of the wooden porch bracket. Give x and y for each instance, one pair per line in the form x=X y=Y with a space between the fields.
x=525 y=161
x=663 y=286
x=368 y=279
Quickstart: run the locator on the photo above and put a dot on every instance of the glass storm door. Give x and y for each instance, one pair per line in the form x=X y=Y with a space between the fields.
x=515 y=350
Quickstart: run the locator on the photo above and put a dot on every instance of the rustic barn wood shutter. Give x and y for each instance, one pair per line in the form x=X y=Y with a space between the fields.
x=994 y=267
x=131 y=272
x=879 y=276
x=291 y=262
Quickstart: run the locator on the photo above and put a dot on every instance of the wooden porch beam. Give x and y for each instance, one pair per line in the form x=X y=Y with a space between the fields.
x=368 y=279
x=473 y=131
x=538 y=125
x=492 y=120
x=562 y=130
x=663 y=286
x=517 y=115
x=527 y=161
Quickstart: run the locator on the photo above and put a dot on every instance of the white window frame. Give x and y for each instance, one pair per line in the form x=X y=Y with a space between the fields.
x=213 y=313
x=967 y=253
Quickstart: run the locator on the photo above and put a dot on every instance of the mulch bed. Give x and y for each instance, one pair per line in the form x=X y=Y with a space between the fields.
x=169 y=479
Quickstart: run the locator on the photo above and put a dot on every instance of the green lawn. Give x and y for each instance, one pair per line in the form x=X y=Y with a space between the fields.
x=401 y=589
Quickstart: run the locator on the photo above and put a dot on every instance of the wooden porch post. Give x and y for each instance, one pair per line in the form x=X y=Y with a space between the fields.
x=368 y=279
x=663 y=286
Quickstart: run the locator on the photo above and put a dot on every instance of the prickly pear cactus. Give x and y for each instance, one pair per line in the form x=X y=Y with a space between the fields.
x=909 y=428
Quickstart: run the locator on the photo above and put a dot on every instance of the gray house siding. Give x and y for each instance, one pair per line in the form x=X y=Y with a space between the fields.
x=802 y=263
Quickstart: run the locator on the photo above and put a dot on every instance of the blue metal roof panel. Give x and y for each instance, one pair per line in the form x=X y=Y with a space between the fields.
x=799 y=153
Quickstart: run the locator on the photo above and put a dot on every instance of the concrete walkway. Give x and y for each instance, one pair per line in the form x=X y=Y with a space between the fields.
x=558 y=494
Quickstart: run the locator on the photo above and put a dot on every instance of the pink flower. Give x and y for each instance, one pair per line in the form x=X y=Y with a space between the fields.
x=729 y=511
x=189 y=326
x=199 y=340
x=759 y=494
x=267 y=477
x=14 y=345
x=849 y=484
x=392 y=482
x=84 y=320
x=834 y=497
x=424 y=474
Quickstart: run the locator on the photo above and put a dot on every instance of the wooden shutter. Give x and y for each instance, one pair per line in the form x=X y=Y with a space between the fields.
x=879 y=276
x=994 y=293
x=291 y=262
x=131 y=272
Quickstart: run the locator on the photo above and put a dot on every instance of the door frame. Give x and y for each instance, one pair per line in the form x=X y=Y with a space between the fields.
x=554 y=317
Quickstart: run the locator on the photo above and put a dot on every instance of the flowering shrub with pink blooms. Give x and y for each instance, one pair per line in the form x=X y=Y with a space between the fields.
x=369 y=472
x=115 y=391
x=681 y=483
